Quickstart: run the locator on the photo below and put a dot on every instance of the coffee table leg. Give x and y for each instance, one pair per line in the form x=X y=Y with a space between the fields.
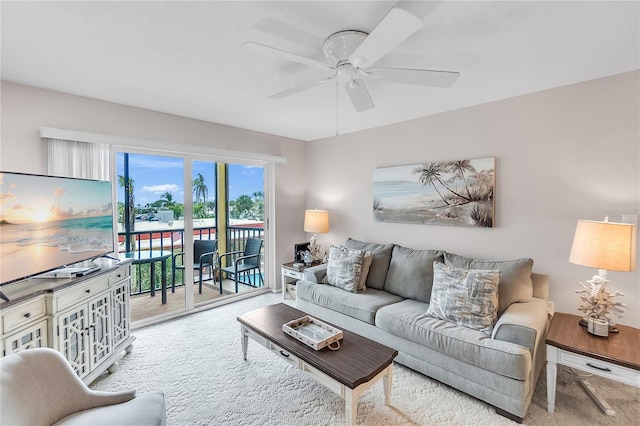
x=244 y=340
x=387 y=380
x=351 y=406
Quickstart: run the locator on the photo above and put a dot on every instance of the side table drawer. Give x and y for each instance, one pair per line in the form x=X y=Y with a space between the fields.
x=292 y=274
x=600 y=368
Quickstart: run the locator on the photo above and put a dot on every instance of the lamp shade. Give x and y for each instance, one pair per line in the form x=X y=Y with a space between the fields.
x=316 y=221
x=604 y=245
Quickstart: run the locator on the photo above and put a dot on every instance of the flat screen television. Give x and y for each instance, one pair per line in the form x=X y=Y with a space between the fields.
x=49 y=222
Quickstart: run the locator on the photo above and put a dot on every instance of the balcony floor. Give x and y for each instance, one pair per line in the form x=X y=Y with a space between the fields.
x=144 y=306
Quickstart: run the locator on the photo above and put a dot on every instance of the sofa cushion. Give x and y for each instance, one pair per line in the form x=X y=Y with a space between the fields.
x=379 y=266
x=344 y=267
x=467 y=297
x=408 y=320
x=515 y=277
x=411 y=273
x=362 y=306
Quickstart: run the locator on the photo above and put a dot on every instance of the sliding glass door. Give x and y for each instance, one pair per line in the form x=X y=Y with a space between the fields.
x=228 y=208
x=194 y=229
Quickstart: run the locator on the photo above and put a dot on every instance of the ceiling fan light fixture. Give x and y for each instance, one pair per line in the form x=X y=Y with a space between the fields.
x=359 y=95
x=339 y=46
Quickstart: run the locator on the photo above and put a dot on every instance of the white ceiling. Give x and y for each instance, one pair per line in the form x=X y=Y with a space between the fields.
x=186 y=58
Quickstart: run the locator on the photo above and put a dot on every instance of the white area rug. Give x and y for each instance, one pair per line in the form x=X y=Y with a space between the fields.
x=197 y=362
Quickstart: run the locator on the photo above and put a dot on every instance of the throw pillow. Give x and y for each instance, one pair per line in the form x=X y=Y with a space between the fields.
x=411 y=273
x=515 y=277
x=379 y=266
x=344 y=268
x=467 y=297
x=366 y=265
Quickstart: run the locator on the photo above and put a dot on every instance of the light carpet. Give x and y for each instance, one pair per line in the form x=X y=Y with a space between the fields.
x=197 y=361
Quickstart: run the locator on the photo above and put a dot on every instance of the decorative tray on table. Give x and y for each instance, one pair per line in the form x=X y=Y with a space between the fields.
x=312 y=332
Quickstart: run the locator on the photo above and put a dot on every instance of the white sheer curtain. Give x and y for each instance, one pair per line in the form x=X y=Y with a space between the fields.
x=77 y=159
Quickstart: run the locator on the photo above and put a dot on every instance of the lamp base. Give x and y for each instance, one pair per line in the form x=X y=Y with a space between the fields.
x=612 y=328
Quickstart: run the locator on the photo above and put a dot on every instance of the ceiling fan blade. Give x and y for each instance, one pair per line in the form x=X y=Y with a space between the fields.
x=415 y=76
x=301 y=87
x=359 y=95
x=259 y=47
x=395 y=27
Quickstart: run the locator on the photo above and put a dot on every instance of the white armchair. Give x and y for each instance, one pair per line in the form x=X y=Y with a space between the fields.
x=39 y=387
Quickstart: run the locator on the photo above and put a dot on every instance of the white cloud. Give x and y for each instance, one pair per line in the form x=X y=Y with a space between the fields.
x=161 y=189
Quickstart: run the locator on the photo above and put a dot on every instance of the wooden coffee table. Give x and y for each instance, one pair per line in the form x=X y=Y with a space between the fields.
x=349 y=371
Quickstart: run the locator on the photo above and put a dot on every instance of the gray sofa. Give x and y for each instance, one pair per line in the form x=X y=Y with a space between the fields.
x=501 y=368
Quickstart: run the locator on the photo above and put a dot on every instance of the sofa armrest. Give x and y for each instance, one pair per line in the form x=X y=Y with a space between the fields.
x=315 y=274
x=523 y=323
x=540 y=286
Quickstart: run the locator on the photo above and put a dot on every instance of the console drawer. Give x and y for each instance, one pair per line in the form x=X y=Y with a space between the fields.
x=118 y=275
x=81 y=292
x=23 y=314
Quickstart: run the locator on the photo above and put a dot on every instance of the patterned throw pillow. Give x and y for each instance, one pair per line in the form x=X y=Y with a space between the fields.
x=467 y=297
x=515 y=277
x=344 y=268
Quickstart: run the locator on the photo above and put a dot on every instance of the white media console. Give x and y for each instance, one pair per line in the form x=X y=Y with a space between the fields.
x=86 y=318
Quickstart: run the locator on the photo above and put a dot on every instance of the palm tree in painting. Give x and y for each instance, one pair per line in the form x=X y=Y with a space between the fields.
x=200 y=189
x=429 y=174
x=485 y=181
x=458 y=168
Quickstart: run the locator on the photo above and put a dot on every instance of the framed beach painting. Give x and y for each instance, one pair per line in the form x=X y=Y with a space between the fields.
x=457 y=193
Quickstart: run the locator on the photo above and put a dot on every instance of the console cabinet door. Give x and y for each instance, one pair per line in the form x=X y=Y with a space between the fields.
x=72 y=339
x=33 y=336
x=99 y=332
x=121 y=315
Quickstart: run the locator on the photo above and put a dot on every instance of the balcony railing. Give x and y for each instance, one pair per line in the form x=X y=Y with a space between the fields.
x=172 y=240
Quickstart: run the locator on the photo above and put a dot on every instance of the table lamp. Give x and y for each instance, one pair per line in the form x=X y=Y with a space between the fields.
x=316 y=222
x=606 y=246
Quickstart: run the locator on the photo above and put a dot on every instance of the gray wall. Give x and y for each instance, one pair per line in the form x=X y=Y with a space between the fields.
x=561 y=155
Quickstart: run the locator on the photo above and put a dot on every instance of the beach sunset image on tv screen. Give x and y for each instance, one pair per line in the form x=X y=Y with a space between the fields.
x=47 y=222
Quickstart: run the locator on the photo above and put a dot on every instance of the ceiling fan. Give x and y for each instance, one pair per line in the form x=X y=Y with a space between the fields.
x=353 y=53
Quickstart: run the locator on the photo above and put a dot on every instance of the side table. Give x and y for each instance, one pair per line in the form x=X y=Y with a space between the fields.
x=615 y=357
x=289 y=272
x=151 y=257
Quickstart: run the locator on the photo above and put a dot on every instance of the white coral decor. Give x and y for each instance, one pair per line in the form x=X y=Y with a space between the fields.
x=597 y=301
x=315 y=249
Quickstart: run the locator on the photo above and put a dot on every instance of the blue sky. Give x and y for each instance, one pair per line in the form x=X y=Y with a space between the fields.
x=154 y=175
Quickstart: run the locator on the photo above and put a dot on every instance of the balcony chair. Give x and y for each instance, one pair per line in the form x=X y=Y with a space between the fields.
x=39 y=388
x=205 y=253
x=248 y=261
